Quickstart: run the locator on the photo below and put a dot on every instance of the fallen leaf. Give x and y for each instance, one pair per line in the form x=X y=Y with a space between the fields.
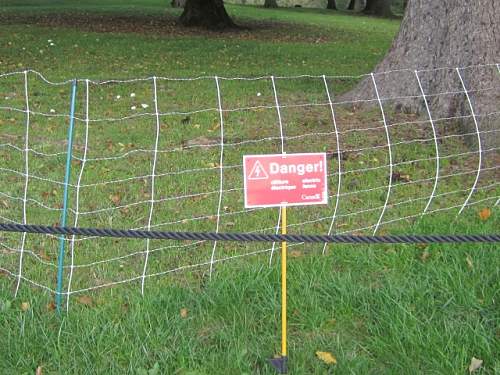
x=25 y=306
x=85 y=300
x=469 y=262
x=475 y=364
x=109 y=145
x=115 y=198
x=184 y=313
x=425 y=255
x=38 y=370
x=295 y=253
x=400 y=177
x=51 y=306
x=326 y=357
x=485 y=214
x=44 y=255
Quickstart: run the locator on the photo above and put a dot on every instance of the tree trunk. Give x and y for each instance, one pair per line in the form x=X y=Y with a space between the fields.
x=270 y=4
x=445 y=34
x=331 y=5
x=178 y=3
x=356 y=5
x=380 y=8
x=209 y=14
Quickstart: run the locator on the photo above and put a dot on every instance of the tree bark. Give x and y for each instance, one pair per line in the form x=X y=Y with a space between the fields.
x=331 y=5
x=270 y=4
x=178 y=3
x=356 y=5
x=209 y=14
x=381 y=8
x=445 y=34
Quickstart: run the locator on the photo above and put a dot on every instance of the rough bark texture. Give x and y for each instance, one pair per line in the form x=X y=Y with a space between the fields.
x=356 y=5
x=270 y=4
x=445 y=34
x=206 y=13
x=380 y=8
x=331 y=4
x=178 y=3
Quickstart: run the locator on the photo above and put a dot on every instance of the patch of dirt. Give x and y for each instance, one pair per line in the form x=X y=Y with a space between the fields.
x=168 y=25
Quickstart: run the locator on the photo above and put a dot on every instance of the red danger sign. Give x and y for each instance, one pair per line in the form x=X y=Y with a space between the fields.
x=285 y=180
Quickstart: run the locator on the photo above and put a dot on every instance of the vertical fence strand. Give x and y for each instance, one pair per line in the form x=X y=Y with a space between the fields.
x=153 y=180
x=480 y=150
x=78 y=185
x=436 y=143
x=339 y=160
x=67 y=175
x=221 y=170
x=282 y=140
x=26 y=180
x=389 y=148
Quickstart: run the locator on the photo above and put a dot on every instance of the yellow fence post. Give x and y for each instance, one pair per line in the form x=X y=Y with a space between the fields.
x=281 y=363
x=283 y=285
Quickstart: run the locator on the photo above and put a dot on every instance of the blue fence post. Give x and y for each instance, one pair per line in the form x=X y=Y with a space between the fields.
x=67 y=175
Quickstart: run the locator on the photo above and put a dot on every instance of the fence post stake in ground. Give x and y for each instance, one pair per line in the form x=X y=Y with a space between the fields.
x=67 y=174
x=281 y=363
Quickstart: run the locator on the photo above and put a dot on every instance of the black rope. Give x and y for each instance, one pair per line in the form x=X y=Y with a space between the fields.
x=248 y=237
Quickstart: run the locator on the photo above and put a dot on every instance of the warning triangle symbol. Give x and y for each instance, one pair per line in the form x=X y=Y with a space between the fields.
x=258 y=172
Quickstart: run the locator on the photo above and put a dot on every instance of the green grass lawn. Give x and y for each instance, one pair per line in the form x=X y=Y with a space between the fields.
x=378 y=309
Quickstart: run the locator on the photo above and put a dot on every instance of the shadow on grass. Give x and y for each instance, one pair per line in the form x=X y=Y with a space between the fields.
x=168 y=25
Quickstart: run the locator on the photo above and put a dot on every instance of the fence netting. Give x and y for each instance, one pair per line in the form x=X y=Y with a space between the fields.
x=165 y=154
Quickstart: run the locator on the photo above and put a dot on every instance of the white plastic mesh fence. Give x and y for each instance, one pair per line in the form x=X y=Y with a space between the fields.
x=166 y=154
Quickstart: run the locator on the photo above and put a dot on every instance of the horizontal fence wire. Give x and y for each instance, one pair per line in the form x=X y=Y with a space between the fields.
x=250 y=237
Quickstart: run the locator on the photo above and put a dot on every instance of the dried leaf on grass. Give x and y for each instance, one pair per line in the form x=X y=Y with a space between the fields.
x=85 y=300
x=326 y=357
x=184 y=312
x=115 y=198
x=400 y=177
x=469 y=262
x=51 y=306
x=25 y=306
x=43 y=255
x=425 y=255
x=485 y=214
x=475 y=364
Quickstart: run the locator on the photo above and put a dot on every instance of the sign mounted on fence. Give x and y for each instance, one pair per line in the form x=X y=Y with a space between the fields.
x=285 y=180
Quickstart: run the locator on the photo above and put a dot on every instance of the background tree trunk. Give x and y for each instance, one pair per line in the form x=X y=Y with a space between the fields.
x=206 y=13
x=178 y=3
x=380 y=8
x=441 y=34
x=331 y=4
x=356 y=5
x=270 y=4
